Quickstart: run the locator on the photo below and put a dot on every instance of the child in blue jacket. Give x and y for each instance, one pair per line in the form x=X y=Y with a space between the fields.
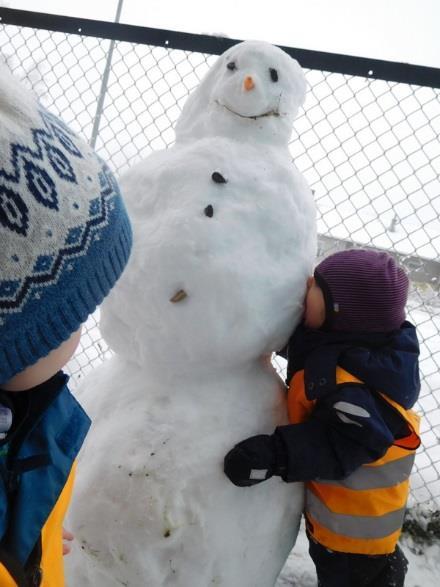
x=65 y=238
x=353 y=378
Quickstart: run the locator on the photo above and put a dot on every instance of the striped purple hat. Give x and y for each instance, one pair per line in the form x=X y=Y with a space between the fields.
x=363 y=291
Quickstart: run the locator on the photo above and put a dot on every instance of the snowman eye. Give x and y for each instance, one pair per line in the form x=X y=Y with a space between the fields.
x=231 y=66
x=273 y=74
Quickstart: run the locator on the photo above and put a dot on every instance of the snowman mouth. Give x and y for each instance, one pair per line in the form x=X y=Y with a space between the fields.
x=254 y=117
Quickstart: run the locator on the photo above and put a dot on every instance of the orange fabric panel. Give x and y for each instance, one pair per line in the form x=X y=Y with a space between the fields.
x=341 y=500
x=355 y=502
x=393 y=454
x=343 y=376
x=412 y=441
x=5 y=578
x=299 y=407
x=52 y=542
x=342 y=543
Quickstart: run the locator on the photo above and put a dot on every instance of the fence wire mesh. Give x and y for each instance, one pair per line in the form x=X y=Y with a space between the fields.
x=368 y=148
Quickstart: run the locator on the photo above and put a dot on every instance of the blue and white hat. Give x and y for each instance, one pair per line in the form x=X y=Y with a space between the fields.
x=65 y=236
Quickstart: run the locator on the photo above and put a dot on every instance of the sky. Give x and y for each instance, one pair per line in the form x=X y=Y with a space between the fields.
x=395 y=30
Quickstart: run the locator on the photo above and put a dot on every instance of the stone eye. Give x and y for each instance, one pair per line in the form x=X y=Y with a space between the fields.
x=273 y=74
x=231 y=66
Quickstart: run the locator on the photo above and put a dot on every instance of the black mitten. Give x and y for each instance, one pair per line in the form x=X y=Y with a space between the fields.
x=254 y=460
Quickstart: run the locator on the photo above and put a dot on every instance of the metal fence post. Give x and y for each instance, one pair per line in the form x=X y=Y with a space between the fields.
x=104 y=83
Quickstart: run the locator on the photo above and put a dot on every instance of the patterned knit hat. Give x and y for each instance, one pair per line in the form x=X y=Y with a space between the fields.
x=64 y=233
x=364 y=291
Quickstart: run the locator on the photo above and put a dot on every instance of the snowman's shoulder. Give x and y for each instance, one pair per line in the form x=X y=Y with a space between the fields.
x=145 y=167
x=138 y=183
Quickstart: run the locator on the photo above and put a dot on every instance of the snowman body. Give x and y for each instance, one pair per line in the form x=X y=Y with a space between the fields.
x=224 y=239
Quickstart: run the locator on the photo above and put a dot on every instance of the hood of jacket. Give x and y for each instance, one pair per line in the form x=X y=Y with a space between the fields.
x=387 y=362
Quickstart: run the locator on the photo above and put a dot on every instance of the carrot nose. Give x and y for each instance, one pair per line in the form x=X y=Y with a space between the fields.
x=248 y=83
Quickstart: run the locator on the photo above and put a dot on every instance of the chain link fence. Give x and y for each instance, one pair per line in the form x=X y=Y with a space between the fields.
x=368 y=147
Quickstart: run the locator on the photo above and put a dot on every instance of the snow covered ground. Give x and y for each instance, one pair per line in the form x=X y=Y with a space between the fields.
x=423 y=571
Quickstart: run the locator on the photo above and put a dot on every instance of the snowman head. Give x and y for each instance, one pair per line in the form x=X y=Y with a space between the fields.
x=252 y=92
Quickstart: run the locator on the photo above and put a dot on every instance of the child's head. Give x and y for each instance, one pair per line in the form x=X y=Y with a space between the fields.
x=357 y=291
x=64 y=234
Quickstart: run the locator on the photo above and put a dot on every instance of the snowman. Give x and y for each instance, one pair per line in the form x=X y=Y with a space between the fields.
x=224 y=239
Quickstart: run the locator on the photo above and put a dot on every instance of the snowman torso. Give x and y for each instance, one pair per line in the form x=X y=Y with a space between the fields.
x=243 y=266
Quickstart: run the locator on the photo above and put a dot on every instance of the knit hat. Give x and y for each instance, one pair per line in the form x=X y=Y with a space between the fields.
x=65 y=236
x=364 y=291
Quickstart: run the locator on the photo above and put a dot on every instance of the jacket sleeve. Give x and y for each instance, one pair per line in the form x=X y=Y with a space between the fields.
x=348 y=428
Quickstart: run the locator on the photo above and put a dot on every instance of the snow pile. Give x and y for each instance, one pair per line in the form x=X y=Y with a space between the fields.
x=225 y=238
x=423 y=569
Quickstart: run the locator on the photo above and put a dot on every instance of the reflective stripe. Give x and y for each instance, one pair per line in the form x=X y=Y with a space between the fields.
x=346 y=419
x=258 y=474
x=354 y=526
x=383 y=476
x=328 y=539
x=352 y=409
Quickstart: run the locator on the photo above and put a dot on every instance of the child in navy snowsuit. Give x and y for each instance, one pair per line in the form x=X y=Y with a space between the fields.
x=353 y=378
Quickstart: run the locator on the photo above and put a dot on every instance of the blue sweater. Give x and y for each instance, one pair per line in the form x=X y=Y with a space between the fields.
x=325 y=447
